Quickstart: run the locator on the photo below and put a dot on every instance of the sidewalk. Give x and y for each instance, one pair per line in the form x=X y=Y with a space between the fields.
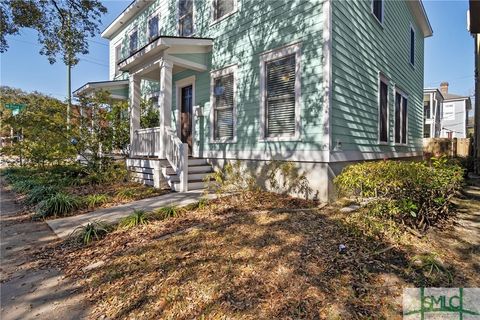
x=63 y=227
x=30 y=291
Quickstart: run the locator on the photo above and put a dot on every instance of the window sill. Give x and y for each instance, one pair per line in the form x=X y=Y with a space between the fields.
x=281 y=139
x=223 y=141
x=214 y=22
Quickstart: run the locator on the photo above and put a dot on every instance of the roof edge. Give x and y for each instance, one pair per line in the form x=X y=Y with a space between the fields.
x=421 y=16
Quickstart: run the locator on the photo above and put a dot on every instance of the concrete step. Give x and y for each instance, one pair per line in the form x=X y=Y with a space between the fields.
x=191 y=177
x=197 y=161
x=193 y=185
x=192 y=169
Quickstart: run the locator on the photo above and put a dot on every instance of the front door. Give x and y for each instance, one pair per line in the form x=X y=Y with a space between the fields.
x=186 y=118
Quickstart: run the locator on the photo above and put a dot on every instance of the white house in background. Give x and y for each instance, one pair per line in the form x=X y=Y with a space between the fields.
x=432 y=113
x=455 y=114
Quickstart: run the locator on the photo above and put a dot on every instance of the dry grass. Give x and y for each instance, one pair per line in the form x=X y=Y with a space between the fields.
x=258 y=257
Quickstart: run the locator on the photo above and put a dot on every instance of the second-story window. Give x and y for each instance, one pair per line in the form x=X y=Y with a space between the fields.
x=185 y=18
x=153 y=26
x=377 y=9
x=222 y=8
x=133 y=41
x=118 y=55
x=412 y=46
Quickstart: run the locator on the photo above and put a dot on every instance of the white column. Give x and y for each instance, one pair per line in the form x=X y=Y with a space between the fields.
x=165 y=102
x=134 y=82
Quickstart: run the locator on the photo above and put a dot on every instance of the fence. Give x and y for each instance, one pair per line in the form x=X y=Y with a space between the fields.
x=437 y=147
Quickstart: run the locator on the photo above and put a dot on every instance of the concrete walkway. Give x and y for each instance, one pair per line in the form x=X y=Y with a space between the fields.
x=29 y=290
x=64 y=227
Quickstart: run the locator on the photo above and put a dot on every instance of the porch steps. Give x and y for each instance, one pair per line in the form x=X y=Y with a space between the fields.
x=198 y=169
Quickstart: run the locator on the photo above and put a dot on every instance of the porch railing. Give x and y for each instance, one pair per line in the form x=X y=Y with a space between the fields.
x=146 y=142
x=177 y=155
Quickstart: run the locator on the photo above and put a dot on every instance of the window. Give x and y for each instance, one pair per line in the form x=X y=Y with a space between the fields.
x=401 y=121
x=224 y=102
x=185 y=18
x=383 y=111
x=426 y=110
x=133 y=41
x=118 y=55
x=153 y=26
x=222 y=8
x=426 y=130
x=412 y=46
x=377 y=9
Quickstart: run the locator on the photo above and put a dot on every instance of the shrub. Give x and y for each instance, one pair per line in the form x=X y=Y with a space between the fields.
x=40 y=193
x=24 y=185
x=95 y=200
x=92 y=231
x=284 y=177
x=166 y=212
x=59 y=204
x=126 y=194
x=232 y=178
x=417 y=194
x=138 y=217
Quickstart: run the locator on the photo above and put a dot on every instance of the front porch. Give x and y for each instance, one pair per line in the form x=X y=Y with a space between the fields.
x=166 y=153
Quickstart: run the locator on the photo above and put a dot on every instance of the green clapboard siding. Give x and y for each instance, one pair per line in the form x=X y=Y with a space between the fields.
x=361 y=48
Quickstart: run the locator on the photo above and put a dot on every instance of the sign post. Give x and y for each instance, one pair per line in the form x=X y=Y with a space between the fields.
x=16 y=109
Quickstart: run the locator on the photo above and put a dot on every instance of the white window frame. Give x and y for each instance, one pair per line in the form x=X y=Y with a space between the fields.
x=153 y=14
x=213 y=75
x=212 y=10
x=383 y=12
x=179 y=85
x=116 y=69
x=193 y=20
x=275 y=54
x=412 y=50
x=404 y=96
x=384 y=79
x=132 y=31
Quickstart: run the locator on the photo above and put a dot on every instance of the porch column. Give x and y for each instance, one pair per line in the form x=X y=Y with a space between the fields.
x=134 y=88
x=165 y=102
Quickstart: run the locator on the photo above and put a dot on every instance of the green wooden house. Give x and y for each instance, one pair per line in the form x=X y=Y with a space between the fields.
x=322 y=83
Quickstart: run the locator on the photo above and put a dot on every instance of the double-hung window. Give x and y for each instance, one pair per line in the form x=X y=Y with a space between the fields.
x=118 y=55
x=383 y=110
x=185 y=18
x=401 y=118
x=133 y=40
x=222 y=8
x=224 y=104
x=153 y=26
x=377 y=9
x=280 y=93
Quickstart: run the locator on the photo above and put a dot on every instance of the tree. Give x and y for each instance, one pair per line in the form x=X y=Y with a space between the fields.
x=63 y=26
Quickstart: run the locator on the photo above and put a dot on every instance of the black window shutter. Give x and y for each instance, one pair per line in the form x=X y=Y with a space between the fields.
x=383 y=112
x=280 y=97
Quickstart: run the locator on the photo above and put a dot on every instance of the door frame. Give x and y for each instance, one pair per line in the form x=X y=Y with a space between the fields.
x=179 y=84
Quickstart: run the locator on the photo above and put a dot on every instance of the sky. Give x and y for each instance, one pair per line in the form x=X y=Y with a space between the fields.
x=448 y=54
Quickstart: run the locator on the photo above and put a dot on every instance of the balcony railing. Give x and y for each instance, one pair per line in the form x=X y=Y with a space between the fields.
x=146 y=142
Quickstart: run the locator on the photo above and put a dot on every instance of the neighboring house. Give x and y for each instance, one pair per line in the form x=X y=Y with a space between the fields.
x=455 y=113
x=322 y=83
x=432 y=113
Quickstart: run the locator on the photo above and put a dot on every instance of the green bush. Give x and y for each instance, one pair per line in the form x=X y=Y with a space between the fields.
x=95 y=200
x=166 y=212
x=24 y=185
x=59 y=204
x=126 y=194
x=417 y=194
x=92 y=231
x=138 y=217
x=39 y=193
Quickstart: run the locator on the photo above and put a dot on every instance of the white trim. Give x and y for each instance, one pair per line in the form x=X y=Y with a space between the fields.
x=316 y=156
x=327 y=72
x=116 y=67
x=383 y=12
x=213 y=75
x=150 y=16
x=274 y=55
x=212 y=12
x=404 y=96
x=385 y=80
x=182 y=83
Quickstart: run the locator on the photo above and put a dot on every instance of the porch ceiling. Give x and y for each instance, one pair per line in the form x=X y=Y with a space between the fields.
x=160 y=46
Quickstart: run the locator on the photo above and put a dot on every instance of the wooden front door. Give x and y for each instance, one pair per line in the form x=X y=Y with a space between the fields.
x=186 y=118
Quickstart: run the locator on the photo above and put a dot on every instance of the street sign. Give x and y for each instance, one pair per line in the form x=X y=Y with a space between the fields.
x=15 y=107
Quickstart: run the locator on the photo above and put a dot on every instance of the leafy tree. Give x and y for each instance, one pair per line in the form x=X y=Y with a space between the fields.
x=41 y=126
x=149 y=114
x=63 y=26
